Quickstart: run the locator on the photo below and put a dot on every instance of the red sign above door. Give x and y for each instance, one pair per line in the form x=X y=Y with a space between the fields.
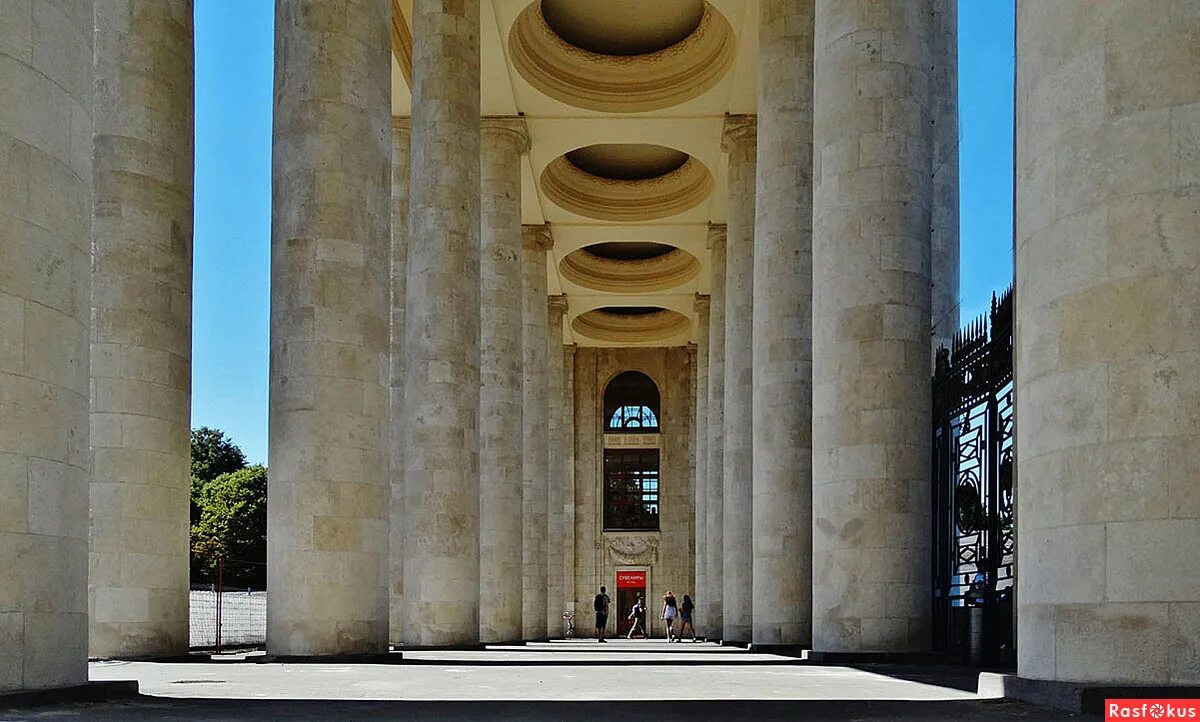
x=631 y=579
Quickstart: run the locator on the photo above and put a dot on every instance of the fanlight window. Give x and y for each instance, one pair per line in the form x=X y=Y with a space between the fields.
x=634 y=418
x=631 y=404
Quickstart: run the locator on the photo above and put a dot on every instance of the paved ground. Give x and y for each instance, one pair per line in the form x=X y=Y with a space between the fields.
x=576 y=680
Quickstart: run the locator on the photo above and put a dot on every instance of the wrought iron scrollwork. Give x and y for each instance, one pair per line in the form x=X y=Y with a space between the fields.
x=973 y=513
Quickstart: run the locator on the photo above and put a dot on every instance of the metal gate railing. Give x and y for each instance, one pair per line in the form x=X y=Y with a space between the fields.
x=974 y=534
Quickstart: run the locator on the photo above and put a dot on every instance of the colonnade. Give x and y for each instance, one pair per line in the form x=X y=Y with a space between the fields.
x=379 y=422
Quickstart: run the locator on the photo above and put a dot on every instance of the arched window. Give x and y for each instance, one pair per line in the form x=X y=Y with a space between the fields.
x=631 y=404
x=631 y=493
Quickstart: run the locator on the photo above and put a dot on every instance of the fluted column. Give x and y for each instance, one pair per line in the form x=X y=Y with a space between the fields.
x=330 y=252
x=557 y=470
x=871 y=401
x=739 y=142
x=713 y=615
x=141 y=329
x=441 y=390
x=944 y=245
x=782 y=588
x=501 y=362
x=45 y=208
x=1107 y=342
x=401 y=144
x=700 y=454
x=535 y=430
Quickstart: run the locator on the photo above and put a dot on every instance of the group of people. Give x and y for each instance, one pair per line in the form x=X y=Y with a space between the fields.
x=672 y=610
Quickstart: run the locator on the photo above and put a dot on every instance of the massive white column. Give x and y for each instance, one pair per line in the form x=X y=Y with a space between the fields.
x=535 y=430
x=1108 y=342
x=441 y=390
x=501 y=363
x=944 y=248
x=327 y=515
x=871 y=399
x=401 y=144
x=557 y=474
x=45 y=207
x=782 y=587
x=739 y=142
x=712 y=616
x=700 y=454
x=141 y=329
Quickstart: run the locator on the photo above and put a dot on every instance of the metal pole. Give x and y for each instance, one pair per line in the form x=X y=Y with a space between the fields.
x=220 y=588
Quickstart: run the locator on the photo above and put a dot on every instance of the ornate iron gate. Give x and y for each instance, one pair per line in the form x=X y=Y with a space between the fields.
x=973 y=522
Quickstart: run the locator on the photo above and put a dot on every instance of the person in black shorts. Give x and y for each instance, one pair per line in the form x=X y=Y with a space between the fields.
x=600 y=604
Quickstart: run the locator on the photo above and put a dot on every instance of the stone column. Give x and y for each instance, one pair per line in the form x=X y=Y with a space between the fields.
x=739 y=142
x=944 y=248
x=782 y=399
x=700 y=454
x=441 y=391
x=535 y=430
x=713 y=615
x=327 y=513
x=557 y=469
x=871 y=401
x=1107 y=342
x=45 y=208
x=501 y=362
x=568 y=435
x=401 y=147
x=141 y=329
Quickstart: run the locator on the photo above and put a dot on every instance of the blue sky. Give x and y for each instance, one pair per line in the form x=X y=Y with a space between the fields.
x=233 y=197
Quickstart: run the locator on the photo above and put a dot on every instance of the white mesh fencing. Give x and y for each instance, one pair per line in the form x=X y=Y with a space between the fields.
x=243 y=619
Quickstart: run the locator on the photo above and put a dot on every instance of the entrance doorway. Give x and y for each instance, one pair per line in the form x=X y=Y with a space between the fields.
x=631 y=584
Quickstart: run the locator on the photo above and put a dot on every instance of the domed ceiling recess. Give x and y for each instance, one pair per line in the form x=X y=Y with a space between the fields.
x=621 y=55
x=632 y=324
x=641 y=268
x=626 y=181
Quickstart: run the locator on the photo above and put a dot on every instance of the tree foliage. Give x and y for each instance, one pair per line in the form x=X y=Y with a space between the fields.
x=213 y=454
x=232 y=525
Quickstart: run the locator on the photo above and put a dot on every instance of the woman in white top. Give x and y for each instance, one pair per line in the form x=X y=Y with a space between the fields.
x=670 y=611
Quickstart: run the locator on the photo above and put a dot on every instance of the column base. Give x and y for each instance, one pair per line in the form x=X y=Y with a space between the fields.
x=838 y=658
x=90 y=692
x=1073 y=697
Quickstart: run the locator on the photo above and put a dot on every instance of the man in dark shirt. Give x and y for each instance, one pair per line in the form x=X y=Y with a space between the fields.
x=600 y=604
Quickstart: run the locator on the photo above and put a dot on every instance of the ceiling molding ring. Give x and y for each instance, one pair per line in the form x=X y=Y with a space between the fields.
x=621 y=83
x=639 y=276
x=603 y=325
x=625 y=201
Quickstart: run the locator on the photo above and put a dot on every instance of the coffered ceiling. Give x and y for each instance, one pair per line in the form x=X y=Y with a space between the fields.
x=626 y=87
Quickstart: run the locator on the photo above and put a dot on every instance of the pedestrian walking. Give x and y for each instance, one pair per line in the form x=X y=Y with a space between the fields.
x=600 y=604
x=685 y=616
x=670 y=611
x=638 y=615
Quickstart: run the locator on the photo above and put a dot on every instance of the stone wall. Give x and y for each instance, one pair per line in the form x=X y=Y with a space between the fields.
x=666 y=555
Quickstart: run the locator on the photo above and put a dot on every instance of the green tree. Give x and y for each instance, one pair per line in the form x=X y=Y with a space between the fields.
x=213 y=454
x=232 y=525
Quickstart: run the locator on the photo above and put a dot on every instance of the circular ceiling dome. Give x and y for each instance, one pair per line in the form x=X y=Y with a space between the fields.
x=623 y=27
x=621 y=56
x=627 y=161
x=626 y=182
x=644 y=274
x=631 y=324
x=628 y=250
